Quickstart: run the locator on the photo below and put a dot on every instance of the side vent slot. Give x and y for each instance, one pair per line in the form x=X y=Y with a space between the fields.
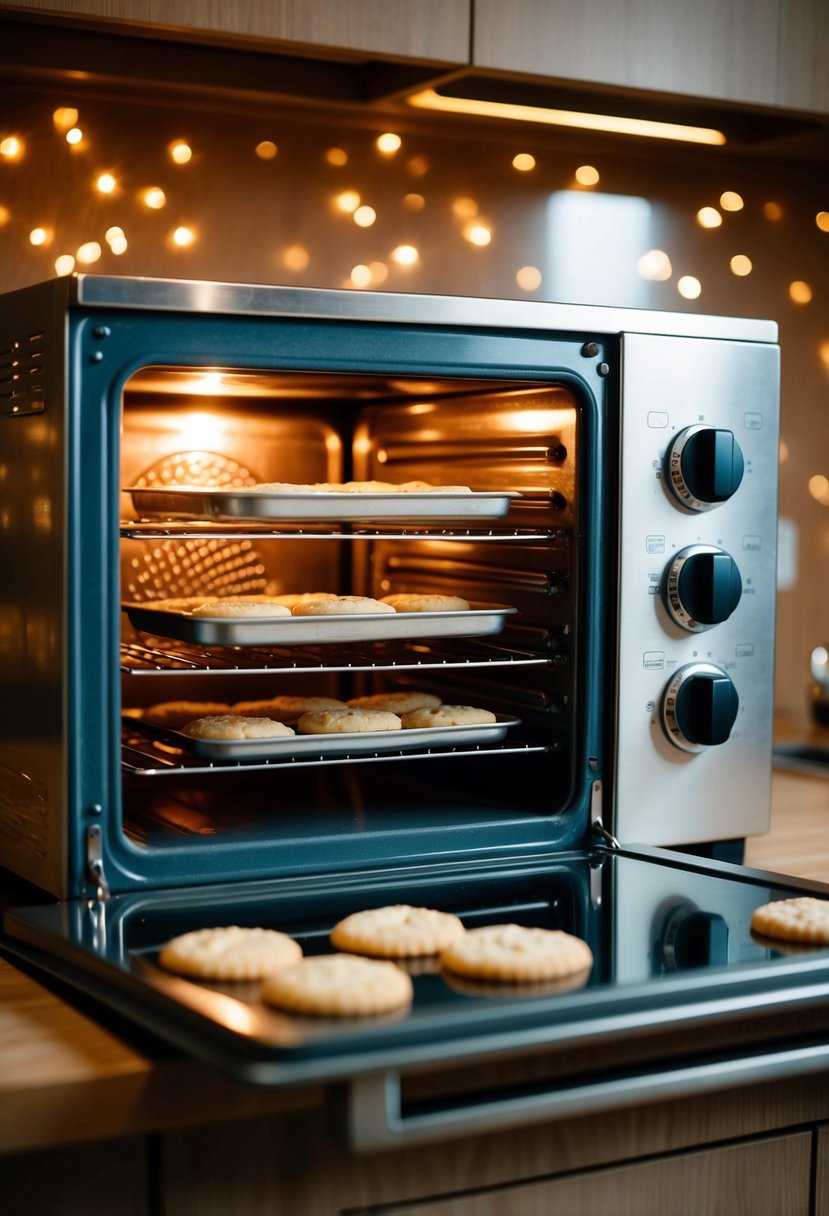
x=23 y=375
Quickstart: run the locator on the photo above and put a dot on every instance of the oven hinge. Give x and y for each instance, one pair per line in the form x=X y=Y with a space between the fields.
x=95 y=863
x=596 y=817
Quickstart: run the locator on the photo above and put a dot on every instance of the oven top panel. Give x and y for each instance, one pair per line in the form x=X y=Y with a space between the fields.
x=670 y=937
x=242 y=299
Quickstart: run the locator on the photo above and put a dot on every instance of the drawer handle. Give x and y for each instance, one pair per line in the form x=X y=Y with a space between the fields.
x=376 y=1118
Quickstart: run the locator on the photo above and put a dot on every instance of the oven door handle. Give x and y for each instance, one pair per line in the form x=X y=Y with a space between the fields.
x=377 y=1117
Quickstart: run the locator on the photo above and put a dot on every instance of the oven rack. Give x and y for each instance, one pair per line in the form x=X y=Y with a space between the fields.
x=170 y=530
x=139 y=758
x=139 y=659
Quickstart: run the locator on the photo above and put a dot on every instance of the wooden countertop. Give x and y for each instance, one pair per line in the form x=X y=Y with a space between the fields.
x=65 y=1078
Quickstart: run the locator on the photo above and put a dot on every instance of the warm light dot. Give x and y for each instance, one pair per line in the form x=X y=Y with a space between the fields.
x=11 y=147
x=414 y=202
x=731 y=201
x=266 y=150
x=113 y=233
x=655 y=265
x=822 y=220
x=64 y=264
x=800 y=292
x=296 y=257
x=689 y=287
x=741 y=265
x=405 y=255
x=180 y=152
x=528 y=278
x=183 y=236
x=154 y=197
x=5 y=215
x=477 y=233
x=64 y=117
x=418 y=166
x=709 y=217
x=348 y=201
x=823 y=354
x=783 y=451
x=106 y=183
x=337 y=156
x=388 y=143
x=772 y=211
x=361 y=276
x=74 y=136
x=40 y=236
x=88 y=253
x=464 y=208
x=523 y=162
x=364 y=217
x=118 y=244
x=379 y=271
x=586 y=175
x=819 y=488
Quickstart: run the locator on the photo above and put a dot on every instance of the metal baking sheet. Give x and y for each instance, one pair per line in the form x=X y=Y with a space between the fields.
x=359 y=743
x=199 y=502
x=478 y=621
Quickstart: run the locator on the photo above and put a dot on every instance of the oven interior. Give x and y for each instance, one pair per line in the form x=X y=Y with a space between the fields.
x=227 y=428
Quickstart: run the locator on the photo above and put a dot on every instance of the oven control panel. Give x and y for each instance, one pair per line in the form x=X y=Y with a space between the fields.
x=697 y=585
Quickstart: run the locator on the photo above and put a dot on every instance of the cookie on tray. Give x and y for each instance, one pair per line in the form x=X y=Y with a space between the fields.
x=229 y=953
x=235 y=609
x=803 y=919
x=235 y=726
x=447 y=715
x=174 y=714
x=293 y=598
x=340 y=605
x=287 y=709
x=339 y=985
x=406 y=602
x=517 y=954
x=397 y=931
x=346 y=721
x=396 y=702
x=425 y=487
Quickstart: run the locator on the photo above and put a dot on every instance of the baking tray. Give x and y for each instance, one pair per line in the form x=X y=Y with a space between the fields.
x=199 y=502
x=357 y=744
x=478 y=621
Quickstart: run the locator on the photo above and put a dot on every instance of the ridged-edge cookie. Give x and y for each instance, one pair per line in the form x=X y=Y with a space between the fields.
x=426 y=603
x=340 y=605
x=234 y=609
x=229 y=953
x=803 y=919
x=339 y=985
x=397 y=931
x=515 y=953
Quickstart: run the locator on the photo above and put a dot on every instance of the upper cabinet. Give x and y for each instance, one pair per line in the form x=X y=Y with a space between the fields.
x=769 y=53
x=432 y=30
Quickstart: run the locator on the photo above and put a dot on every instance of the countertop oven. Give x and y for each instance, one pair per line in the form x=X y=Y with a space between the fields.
x=609 y=515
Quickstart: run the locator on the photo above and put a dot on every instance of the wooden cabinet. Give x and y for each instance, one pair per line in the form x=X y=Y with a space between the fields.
x=769 y=53
x=434 y=30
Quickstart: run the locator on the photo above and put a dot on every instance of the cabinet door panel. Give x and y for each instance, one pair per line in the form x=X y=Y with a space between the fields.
x=764 y=1178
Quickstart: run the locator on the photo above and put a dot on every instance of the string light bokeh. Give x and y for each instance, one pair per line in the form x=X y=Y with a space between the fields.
x=146 y=188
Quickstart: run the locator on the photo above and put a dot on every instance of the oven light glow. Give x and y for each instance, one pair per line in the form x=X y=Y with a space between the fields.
x=741 y=265
x=772 y=211
x=379 y=272
x=201 y=430
x=40 y=236
x=819 y=488
x=587 y=175
x=405 y=255
x=180 y=152
x=388 y=143
x=266 y=149
x=88 y=253
x=823 y=354
x=183 y=236
x=464 y=208
x=105 y=183
x=74 y=137
x=709 y=217
x=414 y=202
x=800 y=292
x=11 y=147
x=822 y=220
x=364 y=217
x=730 y=200
x=418 y=166
x=655 y=265
x=154 y=197
x=296 y=257
x=64 y=118
x=524 y=162
x=528 y=278
x=689 y=287
x=428 y=99
x=337 y=156
x=477 y=233
x=64 y=264
x=360 y=276
x=5 y=215
x=210 y=382
x=348 y=201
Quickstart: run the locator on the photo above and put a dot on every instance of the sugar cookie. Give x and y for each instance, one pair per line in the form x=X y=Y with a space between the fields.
x=235 y=726
x=405 y=602
x=340 y=605
x=339 y=985
x=447 y=715
x=397 y=931
x=230 y=953
x=396 y=702
x=346 y=721
x=803 y=919
x=241 y=608
x=515 y=953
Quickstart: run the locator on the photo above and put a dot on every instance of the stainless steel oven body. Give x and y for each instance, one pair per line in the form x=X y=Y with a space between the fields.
x=637 y=562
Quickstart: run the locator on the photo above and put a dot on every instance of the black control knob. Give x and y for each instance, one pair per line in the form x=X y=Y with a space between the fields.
x=699 y=707
x=704 y=467
x=702 y=587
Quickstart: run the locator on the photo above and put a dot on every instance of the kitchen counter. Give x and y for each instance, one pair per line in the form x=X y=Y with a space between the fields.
x=69 y=1083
